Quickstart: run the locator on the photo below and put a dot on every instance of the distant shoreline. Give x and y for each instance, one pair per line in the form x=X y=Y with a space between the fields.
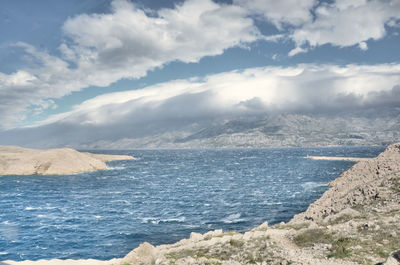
x=335 y=158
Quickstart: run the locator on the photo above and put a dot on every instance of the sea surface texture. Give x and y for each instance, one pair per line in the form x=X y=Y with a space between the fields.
x=160 y=198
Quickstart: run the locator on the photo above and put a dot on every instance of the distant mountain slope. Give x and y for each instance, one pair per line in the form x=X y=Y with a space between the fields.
x=276 y=131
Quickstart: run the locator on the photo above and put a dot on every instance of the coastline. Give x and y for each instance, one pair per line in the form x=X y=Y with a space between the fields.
x=336 y=158
x=362 y=203
x=16 y=160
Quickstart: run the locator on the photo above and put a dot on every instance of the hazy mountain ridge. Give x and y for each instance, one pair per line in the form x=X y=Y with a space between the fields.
x=283 y=130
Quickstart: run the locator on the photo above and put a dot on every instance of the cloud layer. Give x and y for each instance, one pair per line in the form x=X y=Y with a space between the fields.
x=304 y=88
x=194 y=103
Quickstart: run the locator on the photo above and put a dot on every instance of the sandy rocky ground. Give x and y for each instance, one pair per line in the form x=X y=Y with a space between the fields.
x=357 y=221
x=16 y=160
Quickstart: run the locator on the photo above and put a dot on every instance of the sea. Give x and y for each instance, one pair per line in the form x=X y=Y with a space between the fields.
x=161 y=197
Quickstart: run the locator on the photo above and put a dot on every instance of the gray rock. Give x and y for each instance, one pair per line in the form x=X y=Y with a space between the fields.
x=393 y=259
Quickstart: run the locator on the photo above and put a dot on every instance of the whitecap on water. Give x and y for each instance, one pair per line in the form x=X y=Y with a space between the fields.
x=307 y=186
x=271 y=203
x=233 y=219
x=167 y=220
x=116 y=168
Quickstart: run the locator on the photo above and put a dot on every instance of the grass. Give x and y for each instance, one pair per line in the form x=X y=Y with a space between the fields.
x=341 y=219
x=245 y=252
x=381 y=243
x=183 y=254
x=292 y=226
x=313 y=236
x=236 y=243
x=340 y=248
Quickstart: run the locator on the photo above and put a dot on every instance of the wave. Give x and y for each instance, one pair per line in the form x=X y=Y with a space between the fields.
x=233 y=219
x=271 y=203
x=116 y=168
x=32 y=208
x=308 y=186
x=153 y=220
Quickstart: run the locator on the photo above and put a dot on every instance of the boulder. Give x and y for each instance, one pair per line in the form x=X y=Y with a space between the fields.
x=393 y=259
x=144 y=254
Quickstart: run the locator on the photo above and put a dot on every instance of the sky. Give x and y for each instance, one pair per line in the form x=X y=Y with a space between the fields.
x=116 y=67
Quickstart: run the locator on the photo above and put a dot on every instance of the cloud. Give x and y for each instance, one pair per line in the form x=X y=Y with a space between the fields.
x=100 y=49
x=363 y=46
x=133 y=41
x=297 y=50
x=314 y=23
x=279 y=13
x=184 y=104
x=347 y=23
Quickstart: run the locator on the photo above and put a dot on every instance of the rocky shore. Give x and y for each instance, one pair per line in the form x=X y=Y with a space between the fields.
x=16 y=160
x=357 y=221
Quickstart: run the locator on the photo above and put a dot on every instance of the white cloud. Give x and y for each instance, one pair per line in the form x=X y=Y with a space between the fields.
x=363 y=46
x=347 y=23
x=291 y=12
x=129 y=42
x=100 y=49
x=340 y=23
x=297 y=50
x=307 y=87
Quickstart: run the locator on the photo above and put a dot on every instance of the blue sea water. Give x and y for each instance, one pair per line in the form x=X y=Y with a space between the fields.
x=160 y=198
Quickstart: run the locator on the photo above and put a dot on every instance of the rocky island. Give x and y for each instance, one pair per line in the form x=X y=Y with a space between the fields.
x=357 y=221
x=16 y=160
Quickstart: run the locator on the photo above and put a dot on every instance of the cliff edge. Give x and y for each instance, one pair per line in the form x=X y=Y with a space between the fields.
x=16 y=160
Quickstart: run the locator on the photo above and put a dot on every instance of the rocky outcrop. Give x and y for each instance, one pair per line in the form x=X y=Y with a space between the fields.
x=366 y=184
x=22 y=161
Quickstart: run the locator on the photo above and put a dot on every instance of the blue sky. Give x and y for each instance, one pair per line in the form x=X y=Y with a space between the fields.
x=66 y=61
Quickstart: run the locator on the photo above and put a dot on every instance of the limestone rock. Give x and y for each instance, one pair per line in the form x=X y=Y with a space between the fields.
x=365 y=184
x=23 y=161
x=347 y=212
x=144 y=254
x=196 y=236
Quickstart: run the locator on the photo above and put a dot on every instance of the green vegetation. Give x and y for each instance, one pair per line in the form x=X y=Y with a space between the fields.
x=236 y=243
x=313 y=236
x=340 y=248
x=380 y=242
x=292 y=226
x=341 y=219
